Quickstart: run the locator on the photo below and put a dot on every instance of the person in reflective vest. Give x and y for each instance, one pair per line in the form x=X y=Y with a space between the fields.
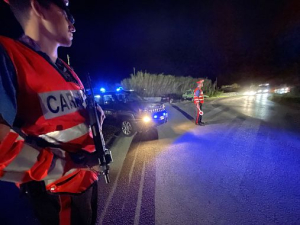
x=198 y=101
x=41 y=98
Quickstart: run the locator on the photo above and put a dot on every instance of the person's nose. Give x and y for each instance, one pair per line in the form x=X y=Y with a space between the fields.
x=72 y=27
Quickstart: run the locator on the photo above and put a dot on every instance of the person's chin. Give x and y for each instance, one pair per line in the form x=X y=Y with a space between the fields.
x=66 y=43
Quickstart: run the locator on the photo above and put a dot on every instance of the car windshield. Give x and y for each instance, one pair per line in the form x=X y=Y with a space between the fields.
x=130 y=97
x=110 y=98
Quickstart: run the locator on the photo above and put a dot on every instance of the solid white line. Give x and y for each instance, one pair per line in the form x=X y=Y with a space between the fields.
x=140 y=196
x=110 y=196
x=133 y=163
x=113 y=190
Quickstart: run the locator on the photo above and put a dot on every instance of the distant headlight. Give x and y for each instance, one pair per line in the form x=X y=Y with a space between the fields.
x=265 y=91
x=146 y=119
x=250 y=93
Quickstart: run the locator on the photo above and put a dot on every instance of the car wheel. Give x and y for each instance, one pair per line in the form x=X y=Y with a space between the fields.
x=127 y=128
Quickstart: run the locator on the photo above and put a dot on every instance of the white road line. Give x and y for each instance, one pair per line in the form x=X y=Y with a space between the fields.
x=110 y=196
x=114 y=187
x=140 y=196
x=133 y=163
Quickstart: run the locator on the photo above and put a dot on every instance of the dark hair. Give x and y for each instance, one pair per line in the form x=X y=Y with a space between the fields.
x=20 y=9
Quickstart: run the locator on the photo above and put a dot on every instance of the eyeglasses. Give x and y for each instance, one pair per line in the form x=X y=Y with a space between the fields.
x=64 y=6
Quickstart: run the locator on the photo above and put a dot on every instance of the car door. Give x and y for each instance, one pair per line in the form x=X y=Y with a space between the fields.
x=107 y=104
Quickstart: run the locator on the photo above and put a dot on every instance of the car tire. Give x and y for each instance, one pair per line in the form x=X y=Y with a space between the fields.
x=127 y=128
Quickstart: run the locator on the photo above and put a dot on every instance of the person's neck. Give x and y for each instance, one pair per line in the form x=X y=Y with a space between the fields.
x=46 y=45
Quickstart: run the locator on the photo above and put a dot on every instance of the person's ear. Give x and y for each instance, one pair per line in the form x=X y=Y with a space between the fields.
x=37 y=9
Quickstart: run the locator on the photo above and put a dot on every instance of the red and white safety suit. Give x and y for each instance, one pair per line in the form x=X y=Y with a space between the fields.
x=198 y=101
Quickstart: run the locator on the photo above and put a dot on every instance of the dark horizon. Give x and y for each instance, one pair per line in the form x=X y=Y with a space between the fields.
x=233 y=42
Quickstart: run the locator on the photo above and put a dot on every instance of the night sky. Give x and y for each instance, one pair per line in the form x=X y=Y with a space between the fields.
x=233 y=41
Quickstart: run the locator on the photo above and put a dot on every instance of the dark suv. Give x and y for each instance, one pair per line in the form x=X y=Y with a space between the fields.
x=130 y=112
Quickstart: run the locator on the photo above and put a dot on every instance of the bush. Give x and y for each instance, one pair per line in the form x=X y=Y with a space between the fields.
x=296 y=91
x=216 y=93
x=286 y=98
x=156 y=85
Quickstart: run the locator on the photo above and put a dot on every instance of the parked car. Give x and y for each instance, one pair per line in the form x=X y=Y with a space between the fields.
x=170 y=98
x=188 y=95
x=130 y=112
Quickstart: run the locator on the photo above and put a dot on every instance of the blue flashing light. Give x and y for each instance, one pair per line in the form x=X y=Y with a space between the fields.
x=97 y=96
x=119 y=89
x=102 y=89
x=164 y=114
x=155 y=116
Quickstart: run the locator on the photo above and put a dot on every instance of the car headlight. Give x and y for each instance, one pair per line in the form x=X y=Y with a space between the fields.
x=146 y=119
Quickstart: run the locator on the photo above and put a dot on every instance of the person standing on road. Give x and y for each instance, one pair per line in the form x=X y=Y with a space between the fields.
x=42 y=103
x=198 y=101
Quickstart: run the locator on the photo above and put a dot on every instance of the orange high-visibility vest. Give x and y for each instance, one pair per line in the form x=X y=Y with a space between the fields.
x=53 y=109
x=200 y=98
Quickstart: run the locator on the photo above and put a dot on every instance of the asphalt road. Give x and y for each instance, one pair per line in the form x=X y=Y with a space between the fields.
x=241 y=168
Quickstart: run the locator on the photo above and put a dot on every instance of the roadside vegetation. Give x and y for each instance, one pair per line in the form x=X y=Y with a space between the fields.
x=286 y=98
x=155 y=85
x=292 y=97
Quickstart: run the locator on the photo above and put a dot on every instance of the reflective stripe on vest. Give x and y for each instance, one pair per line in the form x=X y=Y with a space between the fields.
x=66 y=135
x=23 y=163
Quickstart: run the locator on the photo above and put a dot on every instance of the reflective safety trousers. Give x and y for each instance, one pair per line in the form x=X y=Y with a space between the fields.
x=51 y=108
